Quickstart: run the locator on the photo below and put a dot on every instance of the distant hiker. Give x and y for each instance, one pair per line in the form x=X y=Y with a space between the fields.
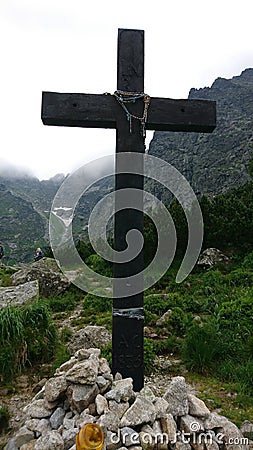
x=38 y=254
x=1 y=252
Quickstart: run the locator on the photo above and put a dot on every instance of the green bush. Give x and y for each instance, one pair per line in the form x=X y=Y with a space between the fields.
x=178 y=321
x=27 y=334
x=149 y=356
x=67 y=301
x=237 y=316
x=240 y=277
x=202 y=347
x=99 y=265
x=165 y=346
x=60 y=357
x=157 y=304
x=97 y=304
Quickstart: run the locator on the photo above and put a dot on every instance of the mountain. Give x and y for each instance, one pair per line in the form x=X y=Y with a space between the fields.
x=25 y=204
x=214 y=163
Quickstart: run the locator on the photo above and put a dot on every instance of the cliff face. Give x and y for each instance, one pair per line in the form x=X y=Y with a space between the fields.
x=25 y=203
x=212 y=163
x=217 y=162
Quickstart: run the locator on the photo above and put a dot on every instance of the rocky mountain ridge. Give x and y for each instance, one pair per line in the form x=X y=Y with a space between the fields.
x=212 y=164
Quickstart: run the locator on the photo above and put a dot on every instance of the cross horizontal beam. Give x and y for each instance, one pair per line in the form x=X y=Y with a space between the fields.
x=103 y=111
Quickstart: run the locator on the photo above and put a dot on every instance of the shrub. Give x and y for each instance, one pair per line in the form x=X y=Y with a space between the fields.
x=99 y=265
x=202 y=347
x=61 y=356
x=178 y=321
x=149 y=356
x=97 y=304
x=164 y=346
x=157 y=304
x=27 y=334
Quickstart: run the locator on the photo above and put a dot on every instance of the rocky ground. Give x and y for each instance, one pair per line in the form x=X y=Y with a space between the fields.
x=83 y=390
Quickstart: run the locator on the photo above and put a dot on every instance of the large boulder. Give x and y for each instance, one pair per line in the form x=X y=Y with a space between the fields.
x=90 y=336
x=210 y=257
x=46 y=271
x=18 y=295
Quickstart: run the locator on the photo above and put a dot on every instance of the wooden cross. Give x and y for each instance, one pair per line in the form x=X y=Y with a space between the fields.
x=104 y=111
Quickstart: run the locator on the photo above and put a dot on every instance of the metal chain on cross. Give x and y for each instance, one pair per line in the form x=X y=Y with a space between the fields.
x=123 y=98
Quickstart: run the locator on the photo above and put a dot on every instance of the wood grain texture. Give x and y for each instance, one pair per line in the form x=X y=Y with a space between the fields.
x=103 y=111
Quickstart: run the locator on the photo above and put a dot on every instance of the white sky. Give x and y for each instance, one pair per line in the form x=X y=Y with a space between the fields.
x=70 y=46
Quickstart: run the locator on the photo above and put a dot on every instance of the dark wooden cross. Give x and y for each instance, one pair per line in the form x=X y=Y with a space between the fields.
x=104 y=111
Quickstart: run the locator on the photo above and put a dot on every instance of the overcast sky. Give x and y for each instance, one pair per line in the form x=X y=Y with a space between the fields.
x=70 y=46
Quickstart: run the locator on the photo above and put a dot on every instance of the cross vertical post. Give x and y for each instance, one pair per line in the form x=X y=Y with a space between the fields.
x=103 y=111
x=128 y=317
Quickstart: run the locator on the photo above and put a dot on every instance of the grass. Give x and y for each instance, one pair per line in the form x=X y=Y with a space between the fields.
x=226 y=398
x=210 y=329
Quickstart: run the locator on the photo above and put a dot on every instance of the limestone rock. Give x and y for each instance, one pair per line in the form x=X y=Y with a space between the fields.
x=130 y=420
x=101 y=404
x=55 y=388
x=161 y=407
x=169 y=427
x=57 y=418
x=80 y=396
x=69 y=437
x=197 y=407
x=23 y=436
x=90 y=336
x=122 y=390
x=42 y=427
x=29 y=446
x=84 y=372
x=103 y=366
x=232 y=434
x=215 y=421
x=176 y=396
x=103 y=383
x=191 y=425
x=50 y=441
x=50 y=278
x=247 y=429
x=211 y=256
x=37 y=410
x=129 y=436
x=109 y=420
x=66 y=366
x=118 y=409
x=11 y=445
x=83 y=419
x=148 y=393
x=19 y=295
x=141 y=411
x=86 y=353
x=160 y=322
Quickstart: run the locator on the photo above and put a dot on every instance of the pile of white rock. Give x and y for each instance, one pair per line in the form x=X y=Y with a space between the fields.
x=83 y=390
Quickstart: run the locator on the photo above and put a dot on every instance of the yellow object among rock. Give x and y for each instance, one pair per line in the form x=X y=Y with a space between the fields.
x=90 y=437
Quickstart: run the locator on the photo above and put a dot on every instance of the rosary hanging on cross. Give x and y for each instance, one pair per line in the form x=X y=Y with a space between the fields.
x=123 y=98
